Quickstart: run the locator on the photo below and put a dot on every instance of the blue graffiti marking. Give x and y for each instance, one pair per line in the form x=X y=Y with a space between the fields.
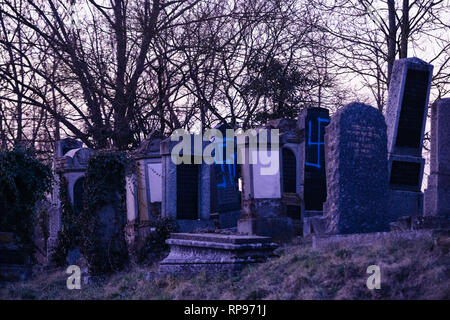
x=317 y=143
x=228 y=169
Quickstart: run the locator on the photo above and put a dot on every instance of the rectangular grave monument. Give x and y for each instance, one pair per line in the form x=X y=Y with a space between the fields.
x=186 y=186
x=312 y=123
x=406 y=114
x=225 y=194
x=263 y=212
x=437 y=194
x=209 y=252
x=290 y=169
x=144 y=189
x=356 y=171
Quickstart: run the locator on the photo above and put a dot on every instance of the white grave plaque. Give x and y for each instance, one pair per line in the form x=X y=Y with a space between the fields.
x=266 y=175
x=154 y=171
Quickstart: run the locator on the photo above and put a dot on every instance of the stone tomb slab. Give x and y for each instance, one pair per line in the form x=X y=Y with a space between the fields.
x=195 y=252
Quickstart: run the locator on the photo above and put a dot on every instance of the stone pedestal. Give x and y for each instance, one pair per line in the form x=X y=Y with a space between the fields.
x=195 y=252
x=437 y=194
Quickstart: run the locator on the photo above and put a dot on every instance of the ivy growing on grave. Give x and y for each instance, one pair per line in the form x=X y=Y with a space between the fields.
x=24 y=181
x=69 y=234
x=103 y=218
x=155 y=246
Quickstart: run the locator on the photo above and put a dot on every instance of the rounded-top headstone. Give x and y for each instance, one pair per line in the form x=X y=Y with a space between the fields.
x=356 y=170
x=80 y=157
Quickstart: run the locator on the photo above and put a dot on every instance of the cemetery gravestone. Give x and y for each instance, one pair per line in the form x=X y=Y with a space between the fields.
x=356 y=171
x=405 y=117
x=186 y=187
x=263 y=212
x=144 y=190
x=149 y=177
x=437 y=195
x=71 y=165
x=289 y=167
x=61 y=148
x=187 y=191
x=225 y=195
x=312 y=123
x=290 y=170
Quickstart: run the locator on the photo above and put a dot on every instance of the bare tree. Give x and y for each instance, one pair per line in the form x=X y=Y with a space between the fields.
x=373 y=34
x=101 y=61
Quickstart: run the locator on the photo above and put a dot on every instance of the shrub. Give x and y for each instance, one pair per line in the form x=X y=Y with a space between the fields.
x=24 y=180
x=155 y=244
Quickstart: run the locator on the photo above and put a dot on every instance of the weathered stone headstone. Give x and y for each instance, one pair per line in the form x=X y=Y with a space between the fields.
x=149 y=177
x=70 y=163
x=144 y=190
x=290 y=170
x=356 y=171
x=406 y=112
x=263 y=212
x=437 y=195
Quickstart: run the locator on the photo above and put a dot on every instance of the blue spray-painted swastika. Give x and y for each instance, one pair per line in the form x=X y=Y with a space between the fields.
x=317 y=143
x=227 y=169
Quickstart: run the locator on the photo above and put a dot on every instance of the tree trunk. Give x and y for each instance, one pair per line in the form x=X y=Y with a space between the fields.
x=391 y=38
x=405 y=30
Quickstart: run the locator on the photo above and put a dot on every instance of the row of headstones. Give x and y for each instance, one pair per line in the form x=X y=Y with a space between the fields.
x=204 y=196
x=375 y=165
x=365 y=172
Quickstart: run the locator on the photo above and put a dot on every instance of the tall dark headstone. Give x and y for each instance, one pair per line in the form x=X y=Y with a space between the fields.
x=225 y=195
x=406 y=112
x=289 y=173
x=356 y=171
x=437 y=195
x=312 y=123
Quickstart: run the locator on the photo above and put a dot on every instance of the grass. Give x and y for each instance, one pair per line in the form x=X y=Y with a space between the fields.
x=410 y=269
